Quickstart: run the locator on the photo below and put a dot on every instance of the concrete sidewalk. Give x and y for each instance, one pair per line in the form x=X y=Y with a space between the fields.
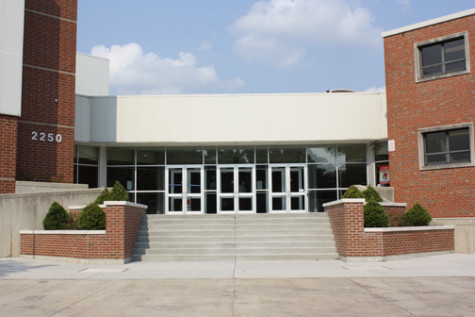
x=442 y=285
x=437 y=265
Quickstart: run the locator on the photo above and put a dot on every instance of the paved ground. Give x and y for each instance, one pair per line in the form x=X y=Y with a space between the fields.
x=442 y=285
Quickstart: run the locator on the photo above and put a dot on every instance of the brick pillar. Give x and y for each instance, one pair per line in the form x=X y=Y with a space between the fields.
x=8 y=137
x=45 y=140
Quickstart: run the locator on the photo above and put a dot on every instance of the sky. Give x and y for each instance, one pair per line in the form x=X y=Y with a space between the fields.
x=246 y=46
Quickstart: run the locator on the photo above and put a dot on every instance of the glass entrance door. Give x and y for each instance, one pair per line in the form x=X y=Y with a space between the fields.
x=184 y=189
x=236 y=191
x=288 y=188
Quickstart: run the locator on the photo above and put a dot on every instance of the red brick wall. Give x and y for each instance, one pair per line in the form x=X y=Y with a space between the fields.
x=8 y=136
x=48 y=95
x=440 y=102
x=122 y=223
x=347 y=221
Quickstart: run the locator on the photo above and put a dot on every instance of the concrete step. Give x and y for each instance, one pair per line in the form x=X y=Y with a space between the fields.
x=229 y=237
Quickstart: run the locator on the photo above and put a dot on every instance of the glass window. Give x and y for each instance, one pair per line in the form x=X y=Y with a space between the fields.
x=443 y=57
x=381 y=151
x=87 y=155
x=180 y=156
x=210 y=155
x=261 y=177
x=321 y=176
x=321 y=154
x=117 y=156
x=154 y=201
x=351 y=153
x=150 y=178
x=352 y=174
x=287 y=155
x=316 y=199
x=447 y=147
x=228 y=155
x=125 y=175
x=88 y=175
x=261 y=155
x=210 y=178
x=150 y=156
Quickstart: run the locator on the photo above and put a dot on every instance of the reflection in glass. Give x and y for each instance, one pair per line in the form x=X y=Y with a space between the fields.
x=287 y=155
x=316 y=199
x=351 y=153
x=210 y=177
x=150 y=178
x=228 y=155
x=352 y=174
x=321 y=154
x=151 y=156
x=322 y=176
x=179 y=156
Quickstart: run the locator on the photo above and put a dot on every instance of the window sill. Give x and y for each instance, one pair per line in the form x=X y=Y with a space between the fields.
x=441 y=76
x=446 y=166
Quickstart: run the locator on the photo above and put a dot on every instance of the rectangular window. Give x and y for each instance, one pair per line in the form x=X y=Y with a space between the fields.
x=441 y=57
x=444 y=147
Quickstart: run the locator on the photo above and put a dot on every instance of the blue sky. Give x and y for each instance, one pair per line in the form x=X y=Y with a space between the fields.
x=246 y=46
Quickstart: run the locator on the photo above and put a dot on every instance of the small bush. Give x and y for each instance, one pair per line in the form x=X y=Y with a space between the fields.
x=371 y=194
x=104 y=196
x=416 y=216
x=353 y=192
x=119 y=193
x=57 y=218
x=92 y=218
x=374 y=215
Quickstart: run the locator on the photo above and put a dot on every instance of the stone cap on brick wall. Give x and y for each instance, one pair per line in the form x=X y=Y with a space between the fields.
x=90 y=232
x=399 y=229
x=112 y=203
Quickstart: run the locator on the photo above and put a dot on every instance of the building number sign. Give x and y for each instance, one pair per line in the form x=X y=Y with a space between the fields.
x=43 y=137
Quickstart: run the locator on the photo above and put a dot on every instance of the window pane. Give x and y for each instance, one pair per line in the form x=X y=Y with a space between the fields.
x=321 y=154
x=120 y=156
x=460 y=157
x=435 y=142
x=261 y=177
x=154 y=201
x=287 y=155
x=228 y=155
x=381 y=151
x=180 y=156
x=150 y=178
x=436 y=159
x=431 y=55
x=210 y=155
x=351 y=153
x=261 y=155
x=352 y=174
x=454 y=49
x=151 y=157
x=87 y=155
x=261 y=202
x=318 y=198
x=322 y=176
x=432 y=70
x=210 y=178
x=455 y=66
x=125 y=175
x=459 y=140
x=210 y=203
x=88 y=175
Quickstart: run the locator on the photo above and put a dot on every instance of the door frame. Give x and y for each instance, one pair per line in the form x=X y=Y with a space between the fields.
x=186 y=194
x=287 y=193
x=236 y=195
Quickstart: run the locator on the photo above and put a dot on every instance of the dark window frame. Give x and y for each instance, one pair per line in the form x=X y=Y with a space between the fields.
x=448 y=151
x=442 y=41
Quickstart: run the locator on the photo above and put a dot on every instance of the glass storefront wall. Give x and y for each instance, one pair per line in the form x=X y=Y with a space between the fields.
x=237 y=179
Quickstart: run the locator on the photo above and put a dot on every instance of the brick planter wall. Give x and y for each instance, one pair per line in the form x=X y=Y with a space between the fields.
x=115 y=244
x=353 y=241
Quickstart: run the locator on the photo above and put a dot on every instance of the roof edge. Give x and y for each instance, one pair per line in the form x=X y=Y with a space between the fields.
x=419 y=25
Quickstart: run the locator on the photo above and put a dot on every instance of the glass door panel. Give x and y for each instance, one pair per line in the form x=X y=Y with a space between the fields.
x=184 y=189
x=236 y=189
x=288 y=188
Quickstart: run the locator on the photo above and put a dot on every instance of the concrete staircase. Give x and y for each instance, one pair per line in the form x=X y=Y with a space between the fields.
x=228 y=237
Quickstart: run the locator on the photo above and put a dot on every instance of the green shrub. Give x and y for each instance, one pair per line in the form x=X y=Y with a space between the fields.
x=104 y=196
x=57 y=218
x=92 y=218
x=371 y=194
x=119 y=193
x=374 y=215
x=353 y=192
x=416 y=216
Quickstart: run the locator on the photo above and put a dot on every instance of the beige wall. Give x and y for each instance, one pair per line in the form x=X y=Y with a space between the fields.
x=27 y=211
x=464 y=232
x=232 y=119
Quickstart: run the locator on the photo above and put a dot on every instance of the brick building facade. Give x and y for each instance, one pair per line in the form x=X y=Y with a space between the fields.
x=39 y=145
x=430 y=91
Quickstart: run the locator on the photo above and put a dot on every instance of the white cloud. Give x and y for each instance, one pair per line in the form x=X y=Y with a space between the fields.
x=134 y=72
x=205 y=46
x=376 y=89
x=406 y=4
x=278 y=31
